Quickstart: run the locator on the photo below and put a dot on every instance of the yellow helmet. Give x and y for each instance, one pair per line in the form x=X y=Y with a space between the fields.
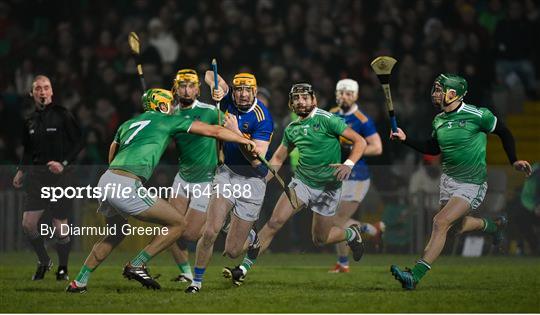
x=158 y=100
x=244 y=79
x=185 y=75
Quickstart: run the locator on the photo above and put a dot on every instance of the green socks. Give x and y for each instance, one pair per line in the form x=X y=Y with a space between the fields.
x=489 y=226
x=350 y=234
x=247 y=263
x=82 y=278
x=142 y=258
x=419 y=270
x=185 y=268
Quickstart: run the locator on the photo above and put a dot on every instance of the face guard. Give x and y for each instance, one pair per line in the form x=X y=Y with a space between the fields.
x=299 y=106
x=244 y=82
x=158 y=100
x=443 y=84
x=185 y=77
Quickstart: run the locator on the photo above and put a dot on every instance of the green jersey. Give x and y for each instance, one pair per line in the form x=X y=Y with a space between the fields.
x=197 y=155
x=462 y=137
x=143 y=139
x=530 y=193
x=317 y=140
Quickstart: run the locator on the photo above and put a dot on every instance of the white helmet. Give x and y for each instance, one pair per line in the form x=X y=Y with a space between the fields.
x=347 y=85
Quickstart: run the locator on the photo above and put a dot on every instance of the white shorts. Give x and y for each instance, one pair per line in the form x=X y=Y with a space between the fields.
x=355 y=190
x=472 y=193
x=199 y=193
x=323 y=202
x=132 y=203
x=248 y=202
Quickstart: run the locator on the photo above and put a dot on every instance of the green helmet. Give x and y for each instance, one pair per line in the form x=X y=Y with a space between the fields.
x=157 y=100
x=448 y=82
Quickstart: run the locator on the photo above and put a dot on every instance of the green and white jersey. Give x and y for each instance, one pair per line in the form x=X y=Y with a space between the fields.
x=197 y=155
x=143 y=140
x=462 y=137
x=317 y=140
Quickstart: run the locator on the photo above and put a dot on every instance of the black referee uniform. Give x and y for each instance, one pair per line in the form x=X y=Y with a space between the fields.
x=51 y=134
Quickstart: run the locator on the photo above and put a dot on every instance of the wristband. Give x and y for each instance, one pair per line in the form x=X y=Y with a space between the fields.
x=349 y=163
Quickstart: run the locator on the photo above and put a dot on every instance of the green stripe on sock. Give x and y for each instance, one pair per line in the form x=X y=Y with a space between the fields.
x=349 y=234
x=489 y=225
x=142 y=258
x=184 y=267
x=83 y=275
x=248 y=263
x=419 y=270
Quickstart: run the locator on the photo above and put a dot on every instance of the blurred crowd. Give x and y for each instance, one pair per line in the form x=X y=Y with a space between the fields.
x=82 y=45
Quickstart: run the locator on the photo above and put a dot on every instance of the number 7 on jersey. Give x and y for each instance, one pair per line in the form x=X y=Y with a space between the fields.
x=141 y=124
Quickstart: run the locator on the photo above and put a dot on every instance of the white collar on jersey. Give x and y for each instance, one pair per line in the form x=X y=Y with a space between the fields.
x=193 y=105
x=353 y=109
x=461 y=106
x=313 y=111
x=250 y=109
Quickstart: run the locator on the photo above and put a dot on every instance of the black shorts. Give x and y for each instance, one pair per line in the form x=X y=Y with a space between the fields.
x=38 y=177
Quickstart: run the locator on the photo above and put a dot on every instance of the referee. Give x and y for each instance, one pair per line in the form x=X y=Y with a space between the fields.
x=52 y=139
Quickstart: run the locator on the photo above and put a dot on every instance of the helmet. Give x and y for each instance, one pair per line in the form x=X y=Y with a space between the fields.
x=448 y=82
x=300 y=88
x=244 y=79
x=154 y=99
x=347 y=85
x=185 y=75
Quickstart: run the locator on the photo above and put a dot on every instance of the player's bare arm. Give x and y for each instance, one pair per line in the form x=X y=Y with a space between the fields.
x=399 y=135
x=231 y=123
x=277 y=160
x=359 y=145
x=374 y=145
x=221 y=91
x=113 y=148
x=18 y=179
x=220 y=133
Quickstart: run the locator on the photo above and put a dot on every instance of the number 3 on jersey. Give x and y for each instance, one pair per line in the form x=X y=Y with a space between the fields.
x=141 y=124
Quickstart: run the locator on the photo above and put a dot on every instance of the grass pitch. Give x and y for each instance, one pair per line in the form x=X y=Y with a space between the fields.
x=283 y=283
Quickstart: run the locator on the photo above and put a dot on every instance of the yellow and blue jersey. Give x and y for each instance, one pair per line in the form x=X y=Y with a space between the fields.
x=364 y=126
x=255 y=124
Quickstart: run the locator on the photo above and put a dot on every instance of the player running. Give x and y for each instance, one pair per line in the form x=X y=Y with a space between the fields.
x=133 y=155
x=317 y=180
x=460 y=136
x=356 y=187
x=197 y=162
x=242 y=174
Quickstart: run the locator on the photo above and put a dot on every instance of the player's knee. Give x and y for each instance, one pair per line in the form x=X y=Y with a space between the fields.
x=274 y=224
x=318 y=240
x=178 y=221
x=30 y=227
x=232 y=252
x=190 y=235
x=209 y=236
x=441 y=223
